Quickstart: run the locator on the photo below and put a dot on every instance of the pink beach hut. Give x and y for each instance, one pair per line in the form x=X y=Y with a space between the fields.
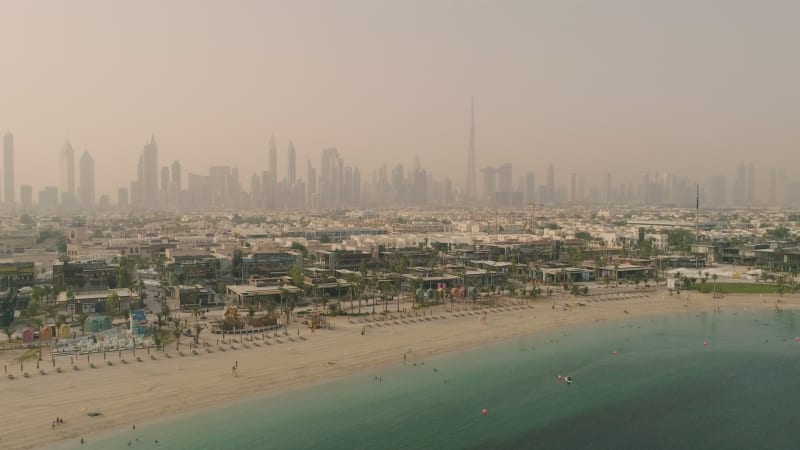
x=27 y=335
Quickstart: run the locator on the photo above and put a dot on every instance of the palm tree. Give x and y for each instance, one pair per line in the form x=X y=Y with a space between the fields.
x=714 y=277
x=177 y=331
x=71 y=301
x=112 y=304
x=781 y=287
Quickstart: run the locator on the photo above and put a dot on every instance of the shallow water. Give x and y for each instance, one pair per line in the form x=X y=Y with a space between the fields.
x=664 y=389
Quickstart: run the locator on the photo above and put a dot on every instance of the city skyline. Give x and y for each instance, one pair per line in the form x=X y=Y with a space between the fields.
x=340 y=184
x=549 y=86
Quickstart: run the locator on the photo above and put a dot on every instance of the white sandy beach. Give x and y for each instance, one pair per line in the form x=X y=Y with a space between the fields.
x=141 y=392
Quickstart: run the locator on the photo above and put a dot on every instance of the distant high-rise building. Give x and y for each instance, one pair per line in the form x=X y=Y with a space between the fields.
x=48 y=198
x=8 y=169
x=86 y=186
x=505 y=179
x=471 y=168
x=175 y=184
x=608 y=189
x=147 y=176
x=67 y=166
x=530 y=187
x=165 y=186
x=273 y=158
x=330 y=178
x=291 y=160
x=750 y=193
x=105 y=202
x=356 y=187
x=271 y=182
x=399 y=185
x=550 y=196
x=717 y=190
x=489 y=183
x=573 y=187
x=122 y=198
x=311 y=189
x=26 y=197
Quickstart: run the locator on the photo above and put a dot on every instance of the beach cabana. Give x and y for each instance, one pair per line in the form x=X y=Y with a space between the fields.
x=64 y=331
x=96 y=322
x=27 y=335
x=45 y=333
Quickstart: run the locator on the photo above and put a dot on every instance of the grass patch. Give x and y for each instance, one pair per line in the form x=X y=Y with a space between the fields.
x=31 y=353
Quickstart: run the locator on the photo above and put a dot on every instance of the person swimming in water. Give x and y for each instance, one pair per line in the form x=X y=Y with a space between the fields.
x=568 y=379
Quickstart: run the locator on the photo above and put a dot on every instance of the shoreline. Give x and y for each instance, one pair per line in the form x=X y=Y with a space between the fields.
x=150 y=391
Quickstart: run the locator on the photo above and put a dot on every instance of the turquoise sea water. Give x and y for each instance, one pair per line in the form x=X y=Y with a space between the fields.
x=663 y=390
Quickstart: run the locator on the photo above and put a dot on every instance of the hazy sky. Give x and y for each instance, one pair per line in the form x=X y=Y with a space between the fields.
x=590 y=85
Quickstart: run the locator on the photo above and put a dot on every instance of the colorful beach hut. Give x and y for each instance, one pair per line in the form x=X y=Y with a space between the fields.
x=96 y=322
x=64 y=331
x=45 y=333
x=27 y=335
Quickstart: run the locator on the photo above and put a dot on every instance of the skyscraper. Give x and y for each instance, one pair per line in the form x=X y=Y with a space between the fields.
x=311 y=191
x=271 y=184
x=175 y=184
x=292 y=168
x=67 y=165
x=471 y=188
x=8 y=169
x=530 y=187
x=164 y=201
x=86 y=187
x=26 y=197
x=122 y=198
x=750 y=192
x=573 y=187
x=147 y=176
x=551 y=184
x=489 y=183
x=330 y=178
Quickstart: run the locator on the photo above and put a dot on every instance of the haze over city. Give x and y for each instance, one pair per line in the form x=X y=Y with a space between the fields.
x=692 y=88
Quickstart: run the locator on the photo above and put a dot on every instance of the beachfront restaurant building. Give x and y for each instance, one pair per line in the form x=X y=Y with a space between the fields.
x=187 y=297
x=91 y=302
x=260 y=296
